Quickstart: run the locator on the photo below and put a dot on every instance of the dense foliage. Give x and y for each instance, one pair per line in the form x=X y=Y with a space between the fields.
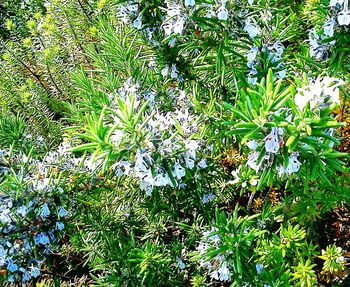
x=174 y=143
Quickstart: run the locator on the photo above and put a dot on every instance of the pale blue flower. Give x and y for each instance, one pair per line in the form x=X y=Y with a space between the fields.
x=281 y=74
x=174 y=72
x=25 y=277
x=202 y=163
x=328 y=27
x=179 y=171
x=41 y=238
x=208 y=197
x=45 y=212
x=59 y=225
x=62 y=212
x=225 y=274
x=259 y=268
x=2 y=251
x=293 y=163
x=252 y=29
x=11 y=266
x=138 y=23
x=190 y=2
x=251 y=55
x=52 y=235
x=180 y=263
x=252 y=144
x=222 y=13
x=272 y=141
x=23 y=210
x=35 y=272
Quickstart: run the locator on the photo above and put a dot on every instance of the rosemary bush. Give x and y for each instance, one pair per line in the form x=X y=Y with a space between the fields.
x=174 y=143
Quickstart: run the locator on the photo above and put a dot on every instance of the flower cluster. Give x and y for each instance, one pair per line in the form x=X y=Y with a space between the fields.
x=319 y=94
x=167 y=155
x=342 y=13
x=217 y=267
x=271 y=146
x=293 y=131
x=251 y=27
x=130 y=13
x=274 y=54
x=30 y=227
x=318 y=49
x=175 y=19
x=32 y=212
x=339 y=16
x=168 y=147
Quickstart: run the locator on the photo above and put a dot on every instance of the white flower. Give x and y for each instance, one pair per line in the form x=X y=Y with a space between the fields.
x=340 y=260
x=161 y=179
x=215 y=275
x=252 y=161
x=167 y=27
x=251 y=29
x=252 y=144
x=253 y=181
x=235 y=175
x=336 y=2
x=328 y=27
x=225 y=273
x=302 y=99
x=222 y=13
x=319 y=93
x=250 y=2
x=179 y=26
x=280 y=170
x=192 y=145
x=252 y=53
x=293 y=163
x=179 y=171
x=202 y=163
x=140 y=163
x=272 y=141
x=189 y=162
x=202 y=247
x=344 y=17
x=147 y=184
